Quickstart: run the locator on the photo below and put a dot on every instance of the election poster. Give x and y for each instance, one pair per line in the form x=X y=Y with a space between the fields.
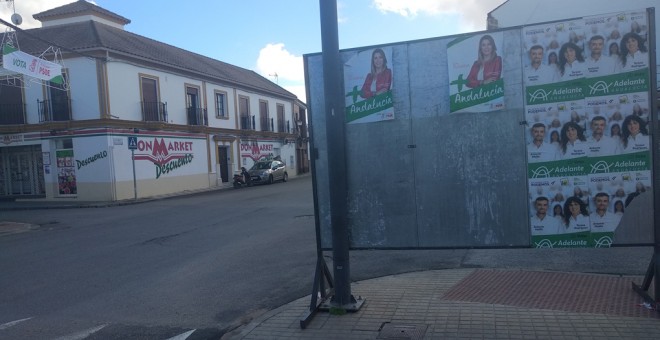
x=368 y=86
x=586 y=86
x=476 y=85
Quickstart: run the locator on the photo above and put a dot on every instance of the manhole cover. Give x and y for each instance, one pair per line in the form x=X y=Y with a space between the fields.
x=401 y=331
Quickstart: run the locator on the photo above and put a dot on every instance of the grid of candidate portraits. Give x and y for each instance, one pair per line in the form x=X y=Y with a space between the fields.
x=588 y=109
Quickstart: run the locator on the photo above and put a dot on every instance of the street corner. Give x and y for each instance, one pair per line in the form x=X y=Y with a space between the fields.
x=8 y=228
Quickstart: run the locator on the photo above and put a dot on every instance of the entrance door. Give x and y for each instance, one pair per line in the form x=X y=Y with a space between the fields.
x=21 y=179
x=223 y=159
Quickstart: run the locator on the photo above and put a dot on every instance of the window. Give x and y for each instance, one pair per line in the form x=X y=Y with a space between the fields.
x=57 y=106
x=196 y=115
x=280 y=118
x=244 y=111
x=12 y=107
x=152 y=109
x=263 y=115
x=221 y=104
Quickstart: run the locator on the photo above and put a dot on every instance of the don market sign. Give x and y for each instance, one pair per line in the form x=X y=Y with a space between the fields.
x=166 y=156
x=256 y=150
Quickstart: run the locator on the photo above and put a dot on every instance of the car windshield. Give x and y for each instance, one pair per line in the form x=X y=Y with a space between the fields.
x=261 y=166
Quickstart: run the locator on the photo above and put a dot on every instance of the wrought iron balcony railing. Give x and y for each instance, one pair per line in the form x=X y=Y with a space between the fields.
x=154 y=112
x=54 y=111
x=247 y=123
x=197 y=116
x=12 y=114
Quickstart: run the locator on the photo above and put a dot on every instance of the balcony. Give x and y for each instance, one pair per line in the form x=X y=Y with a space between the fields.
x=197 y=116
x=54 y=111
x=12 y=114
x=247 y=123
x=154 y=112
x=265 y=124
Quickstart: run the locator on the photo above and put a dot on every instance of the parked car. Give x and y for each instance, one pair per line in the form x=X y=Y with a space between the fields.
x=268 y=172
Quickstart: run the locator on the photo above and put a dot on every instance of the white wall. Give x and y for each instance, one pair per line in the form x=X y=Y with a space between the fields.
x=83 y=88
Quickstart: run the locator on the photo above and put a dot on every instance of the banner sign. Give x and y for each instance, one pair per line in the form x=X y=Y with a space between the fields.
x=21 y=62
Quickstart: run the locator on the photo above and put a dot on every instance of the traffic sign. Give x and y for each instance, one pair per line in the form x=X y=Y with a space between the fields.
x=132 y=143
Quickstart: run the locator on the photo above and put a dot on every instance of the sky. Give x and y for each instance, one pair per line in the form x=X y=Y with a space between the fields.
x=270 y=37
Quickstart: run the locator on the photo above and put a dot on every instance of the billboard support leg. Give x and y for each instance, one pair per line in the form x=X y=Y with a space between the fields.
x=643 y=290
x=321 y=277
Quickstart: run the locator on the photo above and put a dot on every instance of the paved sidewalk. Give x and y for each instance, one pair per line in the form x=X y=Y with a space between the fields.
x=474 y=304
x=33 y=204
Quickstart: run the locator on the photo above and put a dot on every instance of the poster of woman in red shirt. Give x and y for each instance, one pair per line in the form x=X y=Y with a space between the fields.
x=475 y=86
x=368 y=83
x=379 y=79
x=488 y=66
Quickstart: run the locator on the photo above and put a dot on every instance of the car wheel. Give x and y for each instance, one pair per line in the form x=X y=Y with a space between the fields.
x=285 y=177
x=270 y=179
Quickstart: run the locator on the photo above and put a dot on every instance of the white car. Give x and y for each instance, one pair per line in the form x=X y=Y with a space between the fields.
x=268 y=172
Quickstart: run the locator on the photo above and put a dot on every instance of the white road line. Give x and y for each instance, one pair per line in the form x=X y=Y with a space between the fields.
x=82 y=334
x=13 y=323
x=183 y=336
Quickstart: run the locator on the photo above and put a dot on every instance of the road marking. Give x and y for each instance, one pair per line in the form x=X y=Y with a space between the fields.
x=183 y=336
x=82 y=334
x=13 y=323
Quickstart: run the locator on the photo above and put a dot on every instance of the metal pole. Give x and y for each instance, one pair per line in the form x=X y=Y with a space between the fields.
x=334 y=111
x=134 y=181
x=655 y=150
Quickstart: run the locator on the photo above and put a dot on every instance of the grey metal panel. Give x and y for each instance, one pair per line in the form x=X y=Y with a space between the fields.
x=444 y=192
x=471 y=182
x=469 y=167
x=380 y=181
x=636 y=224
x=317 y=128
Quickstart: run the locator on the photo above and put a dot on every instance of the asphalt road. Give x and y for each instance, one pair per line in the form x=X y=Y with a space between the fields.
x=197 y=267
x=209 y=262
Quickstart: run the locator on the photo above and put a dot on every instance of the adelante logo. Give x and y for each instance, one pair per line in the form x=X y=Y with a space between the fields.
x=539 y=95
x=541 y=172
x=599 y=88
x=600 y=167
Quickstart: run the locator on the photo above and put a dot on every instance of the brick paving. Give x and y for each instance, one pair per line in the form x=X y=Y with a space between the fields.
x=572 y=292
x=475 y=304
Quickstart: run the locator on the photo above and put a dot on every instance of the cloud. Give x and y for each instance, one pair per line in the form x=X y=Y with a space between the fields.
x=28 y=8
x=473 y=12
x=275 y=59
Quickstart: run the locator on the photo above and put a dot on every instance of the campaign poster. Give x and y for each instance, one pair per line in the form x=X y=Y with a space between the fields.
x=476 y=83
x=617 y=43
x=578 y=100
x=368 y=86
x=559 y=198
x=66 y=172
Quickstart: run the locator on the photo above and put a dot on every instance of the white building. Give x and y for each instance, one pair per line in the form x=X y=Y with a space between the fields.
x=195 y=120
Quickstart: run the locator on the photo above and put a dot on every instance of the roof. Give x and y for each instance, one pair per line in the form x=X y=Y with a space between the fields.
x=90 y=35
x=87 y=36
x=78 y=8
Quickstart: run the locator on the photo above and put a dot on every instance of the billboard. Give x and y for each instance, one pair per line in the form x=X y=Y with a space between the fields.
x=524 y=137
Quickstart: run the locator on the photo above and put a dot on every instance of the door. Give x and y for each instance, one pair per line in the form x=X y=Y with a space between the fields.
x=59 y=101
x=20 y=173
x=223 y=159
